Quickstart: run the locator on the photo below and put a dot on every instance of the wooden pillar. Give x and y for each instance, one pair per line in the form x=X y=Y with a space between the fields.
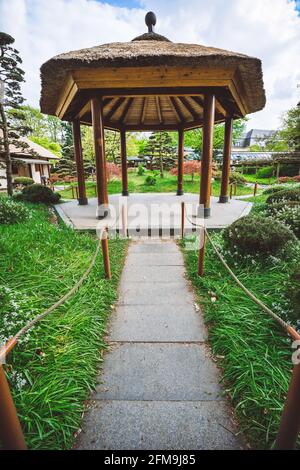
x=226 y=160
x=207 y=153
x=101 y=177
x=99 y=146
x=82 y=199
x=124 y=164
x=180 y=162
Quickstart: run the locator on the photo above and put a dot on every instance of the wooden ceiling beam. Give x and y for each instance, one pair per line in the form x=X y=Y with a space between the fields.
x=180 y=117
x=126 y=110
x=158 y=109
x=114 y=108
x=189 y=107
x=144 y=109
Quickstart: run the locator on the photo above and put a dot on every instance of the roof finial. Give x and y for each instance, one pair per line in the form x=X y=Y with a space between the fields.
x=150 y=20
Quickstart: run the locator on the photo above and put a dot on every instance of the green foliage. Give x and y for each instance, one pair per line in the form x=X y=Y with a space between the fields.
x=257 y=235
x=150 y=180
x=24 y=180
x=273 y=189
x=288 y=213
x=54 y=147
x=141 y=170
x=293 y=291
x=54 y=367
x=236 y=177
x=265 y=172
x=12 y=212
x=290 y=132
x=252 y=351
x=285 y=195
x=39 y=193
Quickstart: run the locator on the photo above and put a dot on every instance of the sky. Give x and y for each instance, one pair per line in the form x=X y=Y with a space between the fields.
x=267 y=29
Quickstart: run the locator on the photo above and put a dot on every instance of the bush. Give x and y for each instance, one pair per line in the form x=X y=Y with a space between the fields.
x=285 y=179
x=288 y=213
x=39 y=193
x=294 y=291
x=150 y=180
x=141 y=170
x=273 y=189
x=253 y=235
x=266 y=172
x=24 y=180
x=12 y=212
x=236 y=177
x=285 y=195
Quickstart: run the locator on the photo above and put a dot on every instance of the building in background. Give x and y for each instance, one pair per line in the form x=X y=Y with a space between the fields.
x=254 y=137
x=33 y=162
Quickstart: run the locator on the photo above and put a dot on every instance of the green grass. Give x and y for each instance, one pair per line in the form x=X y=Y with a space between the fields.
x=254 y=354
x=167 y=184
x=39 y=262
x=266 y=181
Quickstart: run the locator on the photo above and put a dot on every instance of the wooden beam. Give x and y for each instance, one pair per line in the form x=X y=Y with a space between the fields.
x=180 y=162
x=82 y=199
x=189 y=107
x=158 y=109
x=126 y=110
x=207 y=153
x=114 y=108
x=226 y=160
x=144 y=110
x=177 y=111
x=124 y=164
x=99 y=147
x=198 y=100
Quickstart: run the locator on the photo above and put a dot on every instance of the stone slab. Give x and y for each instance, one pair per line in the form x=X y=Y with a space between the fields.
x=153 y=371
x=157 y=323
x=154 y=293
x=131 y=425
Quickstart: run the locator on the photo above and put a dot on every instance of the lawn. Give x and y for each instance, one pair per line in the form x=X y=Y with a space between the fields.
x=53 y=369
x=254 y=354
x=137 y=184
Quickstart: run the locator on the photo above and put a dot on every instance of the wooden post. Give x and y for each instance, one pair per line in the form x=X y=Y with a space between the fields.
x=290 y=421
x=101 y=178
x=255 y=189
x=11 y=434
x=278 y=172
x=207 y=153
x=235 y=188
x=226 y=160
x=180 y=162
x=82 y=199
x=124 y=164
x=231 y=186
x=99 y=145
x=182 y=219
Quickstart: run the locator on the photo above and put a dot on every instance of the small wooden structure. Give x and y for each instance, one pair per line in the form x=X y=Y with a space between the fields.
x=152 y=84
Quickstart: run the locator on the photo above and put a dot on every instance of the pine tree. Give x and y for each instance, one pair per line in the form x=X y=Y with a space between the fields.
x=12 y=122
x=161 y=150
x=66 y=166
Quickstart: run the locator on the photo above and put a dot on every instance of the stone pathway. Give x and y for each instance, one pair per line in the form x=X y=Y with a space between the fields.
x=159 y=387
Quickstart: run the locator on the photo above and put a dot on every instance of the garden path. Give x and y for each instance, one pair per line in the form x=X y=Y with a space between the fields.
x=159 y=385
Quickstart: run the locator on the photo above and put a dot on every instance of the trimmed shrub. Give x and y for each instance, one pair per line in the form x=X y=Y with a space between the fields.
x=39 y=193
x=285 y=195
x=141 y=170
x=12 y=212
x=236 y=177
x=255 y=234
x=273 y=189
x=288 y=213
x=150 y=180
x=266 y=172
x=24 y=180
x=285 y=179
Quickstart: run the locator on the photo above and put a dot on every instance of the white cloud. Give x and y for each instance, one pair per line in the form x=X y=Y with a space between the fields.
x=268 y=29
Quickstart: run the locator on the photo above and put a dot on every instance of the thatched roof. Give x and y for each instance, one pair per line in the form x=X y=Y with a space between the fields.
x=151 y=49
x=31 y=149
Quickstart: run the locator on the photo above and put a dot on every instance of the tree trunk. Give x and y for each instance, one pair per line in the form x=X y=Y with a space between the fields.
x=8 y=163
x=161 y=163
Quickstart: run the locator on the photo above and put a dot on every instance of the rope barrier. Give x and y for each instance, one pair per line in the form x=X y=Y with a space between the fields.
x=13 y=341
x=289 y=329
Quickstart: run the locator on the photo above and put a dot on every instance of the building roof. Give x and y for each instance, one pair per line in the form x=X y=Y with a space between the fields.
x=31 y=150
x=151 y=50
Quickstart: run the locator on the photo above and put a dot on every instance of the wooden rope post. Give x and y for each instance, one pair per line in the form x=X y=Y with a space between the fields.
x=255 y=189
x=182 y=219
x=235 y=189
x=11 y=434
x=230 y=191
x=290 y=421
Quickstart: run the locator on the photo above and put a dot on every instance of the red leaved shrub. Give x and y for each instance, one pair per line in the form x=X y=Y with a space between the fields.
x=112 y=170
x=189 y=168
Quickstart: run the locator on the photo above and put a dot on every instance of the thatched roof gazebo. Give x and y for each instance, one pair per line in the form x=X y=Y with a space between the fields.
x=152 y=84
